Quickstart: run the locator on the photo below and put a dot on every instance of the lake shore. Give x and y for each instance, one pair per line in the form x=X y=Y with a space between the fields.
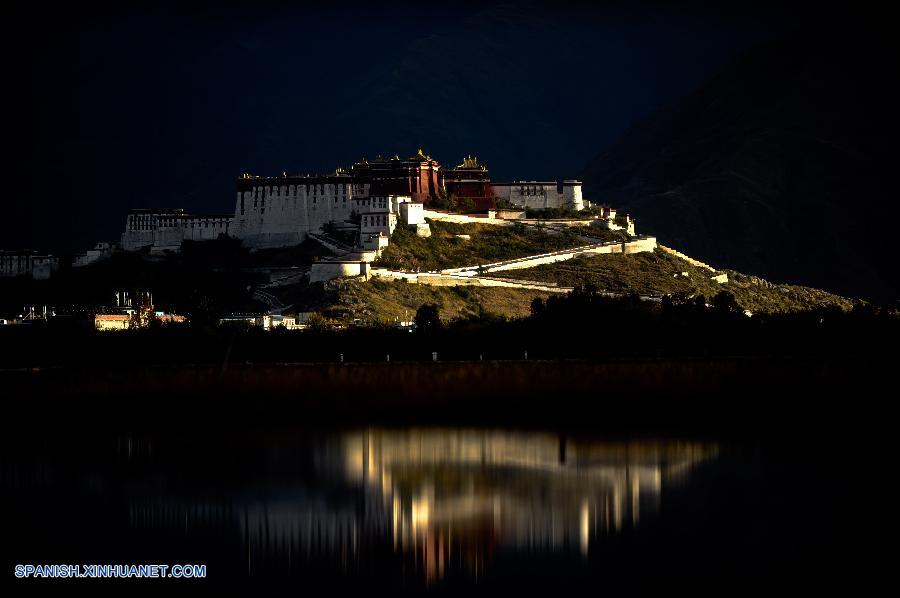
x=725 y=395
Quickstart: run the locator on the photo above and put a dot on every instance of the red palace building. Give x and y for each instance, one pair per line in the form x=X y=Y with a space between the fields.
x=422 y=178
x=470 y=184
x=417 y=177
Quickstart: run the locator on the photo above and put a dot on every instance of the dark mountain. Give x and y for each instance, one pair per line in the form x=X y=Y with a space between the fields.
x=782 y=165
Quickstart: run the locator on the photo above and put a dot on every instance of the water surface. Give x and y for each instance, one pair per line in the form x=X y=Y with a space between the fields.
x=420 y=509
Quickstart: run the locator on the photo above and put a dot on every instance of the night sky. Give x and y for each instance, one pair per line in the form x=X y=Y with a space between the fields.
x=110 y=107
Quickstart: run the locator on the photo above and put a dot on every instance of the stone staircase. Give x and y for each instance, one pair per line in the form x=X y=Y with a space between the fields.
x=338 y=247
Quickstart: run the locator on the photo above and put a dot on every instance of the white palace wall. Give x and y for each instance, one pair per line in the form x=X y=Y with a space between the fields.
x=284 y=211
x=166 y=229
x=276 y=215
x=538 y=195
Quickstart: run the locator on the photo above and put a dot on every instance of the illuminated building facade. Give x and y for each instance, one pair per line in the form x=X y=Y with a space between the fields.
x=280 y=211
x=470 y=185
x=162 y=229
x=416 y=177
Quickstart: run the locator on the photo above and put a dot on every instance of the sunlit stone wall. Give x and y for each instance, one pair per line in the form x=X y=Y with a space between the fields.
x=166 y=229
x=273 y=212
x=538 y=195
x=326 y=270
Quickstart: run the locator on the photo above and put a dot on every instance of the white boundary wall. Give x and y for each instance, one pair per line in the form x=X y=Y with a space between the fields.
x=474 y=275
x=639 y=245
x=464 y=218
x=686 y=258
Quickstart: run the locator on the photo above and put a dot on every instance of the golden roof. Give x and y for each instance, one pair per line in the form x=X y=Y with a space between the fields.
x=421 y=156
x=470 y=162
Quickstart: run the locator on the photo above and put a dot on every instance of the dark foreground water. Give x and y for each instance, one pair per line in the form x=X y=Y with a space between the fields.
x=436 y=510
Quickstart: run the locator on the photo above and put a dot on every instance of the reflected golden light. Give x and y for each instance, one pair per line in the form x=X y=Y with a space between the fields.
x=461 y=494
x=585 y=527
x=452 y=499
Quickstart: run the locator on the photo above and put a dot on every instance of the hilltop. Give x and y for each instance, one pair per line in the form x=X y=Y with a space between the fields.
x=379 y=302
x=211 y=279
x=453 y=244
x=659 y=273
x=649 y=274
x=384 y=301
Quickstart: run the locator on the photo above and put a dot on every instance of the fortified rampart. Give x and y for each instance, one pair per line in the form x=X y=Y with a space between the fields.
x=687 y=258
x=165 y=229
x=488 y=218
x=639 y=245
x=282 y=211
x=720 y=277
x=453 y=280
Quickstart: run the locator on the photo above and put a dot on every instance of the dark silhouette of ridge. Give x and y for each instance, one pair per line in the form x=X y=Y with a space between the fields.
x=781 y=165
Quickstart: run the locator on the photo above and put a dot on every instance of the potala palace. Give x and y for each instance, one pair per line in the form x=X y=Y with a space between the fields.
x=372 y=196
x=354 y=212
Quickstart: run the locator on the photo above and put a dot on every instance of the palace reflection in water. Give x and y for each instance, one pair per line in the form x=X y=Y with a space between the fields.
x=445 y=499
x=457 y=496
x=412 y=509
x=409 y=504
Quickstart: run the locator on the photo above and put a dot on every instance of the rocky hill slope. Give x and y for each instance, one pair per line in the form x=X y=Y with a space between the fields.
x=649 y=274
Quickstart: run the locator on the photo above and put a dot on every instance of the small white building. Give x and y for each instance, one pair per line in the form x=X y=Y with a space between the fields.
x=398 y=200
x=375 y=242
x=412 y=213
x=378 y=222
x=608 y=220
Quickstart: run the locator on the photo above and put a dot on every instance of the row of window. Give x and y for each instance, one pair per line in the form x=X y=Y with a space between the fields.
x=375 y=220
x=291 y=189
x=262 y=203
x=378 y=202
x=532 y=191
x=172 y=223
